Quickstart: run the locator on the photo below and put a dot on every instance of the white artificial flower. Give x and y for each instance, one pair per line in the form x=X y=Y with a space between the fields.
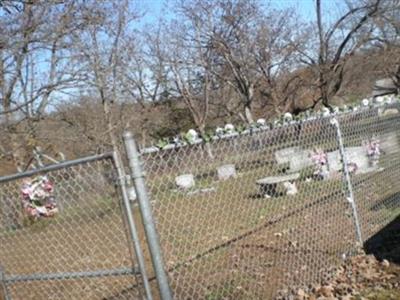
x=389 y=99
x=355 y=108
x=193 y=134
x=229 y=128
x=379 y=99
x=288 y=116
x=365 y=102
x=336 y=109
x=261 y=122
x=325 y=111
x=219 y=131
x=177 y=139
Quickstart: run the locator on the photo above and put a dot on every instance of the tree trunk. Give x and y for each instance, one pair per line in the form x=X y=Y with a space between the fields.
x=248 y=114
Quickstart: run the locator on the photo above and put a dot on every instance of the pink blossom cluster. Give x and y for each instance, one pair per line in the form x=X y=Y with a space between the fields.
x=320 y=159
x=37 y=197
x=373 y=148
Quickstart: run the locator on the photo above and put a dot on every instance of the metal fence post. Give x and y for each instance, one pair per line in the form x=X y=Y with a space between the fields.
x=147 y=217
x=132 y=227
x=350 y=198
x=3 y=287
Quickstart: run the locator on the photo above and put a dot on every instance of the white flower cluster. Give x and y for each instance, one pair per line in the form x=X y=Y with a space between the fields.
x=229 y=130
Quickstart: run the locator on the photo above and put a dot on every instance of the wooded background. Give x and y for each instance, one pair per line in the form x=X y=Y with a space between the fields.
x=75 y=74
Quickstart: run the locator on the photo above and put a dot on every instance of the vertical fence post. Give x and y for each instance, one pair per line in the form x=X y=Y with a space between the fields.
x=350 y=198
x=132 y=226
x=147 y=217
x=3 y=287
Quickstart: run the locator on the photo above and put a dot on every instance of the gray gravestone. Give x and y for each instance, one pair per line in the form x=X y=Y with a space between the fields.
x=300 y=160
x=358 y=155
x=226 y=171
x=355 y=155
x=283 y=156
x=334 y=161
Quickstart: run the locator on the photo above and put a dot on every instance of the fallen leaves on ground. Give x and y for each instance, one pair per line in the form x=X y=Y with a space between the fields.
x=361 y=277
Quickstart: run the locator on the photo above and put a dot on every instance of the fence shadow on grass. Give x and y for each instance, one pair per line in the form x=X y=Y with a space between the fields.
x=386 y=243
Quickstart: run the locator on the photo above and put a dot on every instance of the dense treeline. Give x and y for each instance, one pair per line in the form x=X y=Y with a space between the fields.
x=74 y=74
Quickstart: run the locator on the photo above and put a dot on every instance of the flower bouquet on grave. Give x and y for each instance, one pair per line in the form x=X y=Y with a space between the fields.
x=320 y=160
x=373 y=149
x=38 y=197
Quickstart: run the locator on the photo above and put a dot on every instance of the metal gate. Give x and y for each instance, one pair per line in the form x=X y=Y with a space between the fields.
x=89 y=250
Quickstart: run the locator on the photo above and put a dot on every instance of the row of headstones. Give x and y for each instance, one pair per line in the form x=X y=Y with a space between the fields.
x=299 y=159
x=187 y=181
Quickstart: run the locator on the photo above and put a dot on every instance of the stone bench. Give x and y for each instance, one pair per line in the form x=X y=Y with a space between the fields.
x=268 y=185
x=297 y=160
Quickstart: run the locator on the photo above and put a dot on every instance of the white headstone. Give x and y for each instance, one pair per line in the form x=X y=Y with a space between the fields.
x=185 y=181
x=226 y=171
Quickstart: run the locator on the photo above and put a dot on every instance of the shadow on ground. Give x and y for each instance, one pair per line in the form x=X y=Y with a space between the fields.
x=386 y=243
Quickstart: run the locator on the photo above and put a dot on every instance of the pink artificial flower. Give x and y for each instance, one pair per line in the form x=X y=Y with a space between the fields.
x=319 y=157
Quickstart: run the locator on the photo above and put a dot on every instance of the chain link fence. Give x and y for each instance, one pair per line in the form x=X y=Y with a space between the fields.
x=242 y=217
x=248 y=215
x=82 y=252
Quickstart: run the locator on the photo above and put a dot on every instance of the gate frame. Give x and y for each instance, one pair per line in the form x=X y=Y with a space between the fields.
x=132 y=235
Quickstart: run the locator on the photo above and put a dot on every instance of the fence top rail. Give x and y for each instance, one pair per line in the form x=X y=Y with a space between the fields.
x=254 y=130
x=54 y=167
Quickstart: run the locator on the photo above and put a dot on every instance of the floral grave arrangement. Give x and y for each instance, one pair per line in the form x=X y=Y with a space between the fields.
x=320 y=160
x=373 y=149
x=38 y=197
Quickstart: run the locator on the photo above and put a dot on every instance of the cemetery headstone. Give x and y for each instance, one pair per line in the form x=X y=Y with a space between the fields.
x=226 y=171
x=283 y=156
x=300 y=160
x=185 y=181
x=355 y=156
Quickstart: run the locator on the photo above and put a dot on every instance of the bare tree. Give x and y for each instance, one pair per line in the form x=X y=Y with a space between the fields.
x=34 y=68
x=190 y=62
x=253 y=50
x=337 y=41
x=100 y=48
x=387 y=40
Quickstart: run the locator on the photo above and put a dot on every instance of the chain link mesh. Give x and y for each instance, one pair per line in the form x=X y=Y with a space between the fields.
x=81 y=253
x=377 y=194
x=278 y=218
x=241 y=217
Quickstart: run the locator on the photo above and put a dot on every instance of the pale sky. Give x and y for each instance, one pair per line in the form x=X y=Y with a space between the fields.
x=306 y=8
